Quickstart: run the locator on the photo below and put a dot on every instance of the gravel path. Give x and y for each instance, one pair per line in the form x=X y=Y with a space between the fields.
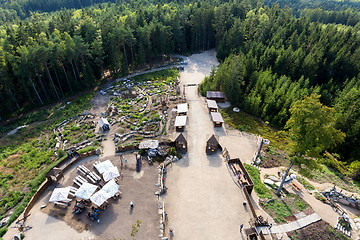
x=202 y=201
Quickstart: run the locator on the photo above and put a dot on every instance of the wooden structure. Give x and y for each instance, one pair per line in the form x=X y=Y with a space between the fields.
x=181 y=143
x=243 y=176
x=217 y=96
x=55 y=174
x=182 y=109
x=251 y=233
x=212 y=145
x=180 y=123
x=217 y=119
x=212 y=105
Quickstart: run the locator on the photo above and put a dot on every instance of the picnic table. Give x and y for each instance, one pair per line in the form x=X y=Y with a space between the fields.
x=297 y=186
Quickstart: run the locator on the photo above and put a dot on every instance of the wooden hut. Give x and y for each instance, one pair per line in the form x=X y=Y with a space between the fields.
x=180 y=123
x=181 y=143
x=217 y=96
x=217 y=119
x=212 y=145
x=212 y=105
x=55 y=174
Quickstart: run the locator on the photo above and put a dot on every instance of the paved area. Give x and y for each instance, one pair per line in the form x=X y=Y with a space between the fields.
x=202 y=200
x=288 y=227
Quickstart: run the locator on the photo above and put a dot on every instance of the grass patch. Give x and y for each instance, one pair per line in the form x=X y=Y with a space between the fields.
x=306 y=184
x=245 y=122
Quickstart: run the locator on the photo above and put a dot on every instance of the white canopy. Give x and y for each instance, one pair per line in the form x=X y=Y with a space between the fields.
x=60 y=195
x=180 y=121
x=85 y=191
x=216 y=117
x=103 y=121
x=99 y=197
x=104 y=166
x=182 y=108
x=111 y=173
x=111 y=187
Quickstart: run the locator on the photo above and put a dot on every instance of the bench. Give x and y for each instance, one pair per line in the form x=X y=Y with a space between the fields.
x=296 y=185
x=77 y=182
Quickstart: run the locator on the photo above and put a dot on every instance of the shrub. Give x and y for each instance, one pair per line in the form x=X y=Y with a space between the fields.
x=61 y=153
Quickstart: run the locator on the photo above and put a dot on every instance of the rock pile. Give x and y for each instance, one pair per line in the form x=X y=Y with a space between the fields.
x=339 y=197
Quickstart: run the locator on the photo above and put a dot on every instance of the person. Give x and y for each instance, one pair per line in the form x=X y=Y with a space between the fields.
x=131 y=204
x=270 y=225
x=171 y=232
x=244 y=203
x=241 y=227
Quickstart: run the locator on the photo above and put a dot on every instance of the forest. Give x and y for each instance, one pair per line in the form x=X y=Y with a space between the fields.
x=272 y=54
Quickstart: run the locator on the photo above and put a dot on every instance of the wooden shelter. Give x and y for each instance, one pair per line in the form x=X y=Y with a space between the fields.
x=212 y=145
x=180 y=123
x=217 y=119
x=182 y=109
x=212 y=105
x=180 y=142
x=55 y=174
x=217 y=96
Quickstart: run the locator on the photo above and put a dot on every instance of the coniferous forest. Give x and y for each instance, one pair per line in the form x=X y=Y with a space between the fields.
x=272 y=54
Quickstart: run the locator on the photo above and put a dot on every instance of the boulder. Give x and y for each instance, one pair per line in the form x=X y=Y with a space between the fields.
x=268 y=182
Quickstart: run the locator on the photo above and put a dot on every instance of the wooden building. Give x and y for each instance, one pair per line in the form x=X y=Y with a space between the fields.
x=217 y=119
x=217 y=96
x=180 y=123
x=212 y=144
x=181 y=143
x=212 y=105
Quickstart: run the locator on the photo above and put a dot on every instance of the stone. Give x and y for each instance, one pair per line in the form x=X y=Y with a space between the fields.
x=268 y=182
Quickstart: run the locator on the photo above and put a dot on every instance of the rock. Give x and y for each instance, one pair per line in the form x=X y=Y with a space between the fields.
x=268 y=182
x=344 y=201
x=4 y=221
x=98 y=151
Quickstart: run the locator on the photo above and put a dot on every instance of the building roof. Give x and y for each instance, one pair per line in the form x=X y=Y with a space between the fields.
x=214 y=94
x=182 y=108
x=212 y=104
x=216 y=117
x=180 y=121
x=180 y=138
x=103 y=121
x=213 y=140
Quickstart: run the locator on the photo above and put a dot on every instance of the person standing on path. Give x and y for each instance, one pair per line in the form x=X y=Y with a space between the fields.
x=241 y=227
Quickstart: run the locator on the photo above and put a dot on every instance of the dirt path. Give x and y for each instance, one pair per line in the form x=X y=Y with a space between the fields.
x=202 y=201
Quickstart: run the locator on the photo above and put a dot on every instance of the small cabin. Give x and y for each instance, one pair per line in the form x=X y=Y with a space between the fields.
x=212 y=144
x=212 y=105
x=217 y=119
x=181 y=143
x=104 y=124
x=180 y=123
x=216 y=96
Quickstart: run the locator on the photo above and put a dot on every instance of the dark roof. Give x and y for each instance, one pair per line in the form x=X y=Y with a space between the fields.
x=180 y=138
x=213 y=140
x=54 y=172
x=213 y=94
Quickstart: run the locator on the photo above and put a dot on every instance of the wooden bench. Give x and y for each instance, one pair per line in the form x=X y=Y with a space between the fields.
x=61 y=203
x=296 y=185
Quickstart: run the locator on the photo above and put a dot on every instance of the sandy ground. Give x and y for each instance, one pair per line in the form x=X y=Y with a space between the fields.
x=116 y=220
x=202 y=201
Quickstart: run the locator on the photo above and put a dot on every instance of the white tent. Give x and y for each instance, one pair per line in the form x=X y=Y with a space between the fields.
x=104 y=124
x=111 y=173
x=111 y=187
x=85 y=191
x=99 y=197
x=60 y=195
x=104 y=166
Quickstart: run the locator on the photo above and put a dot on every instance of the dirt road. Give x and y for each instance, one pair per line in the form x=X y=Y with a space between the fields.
x=202 y=201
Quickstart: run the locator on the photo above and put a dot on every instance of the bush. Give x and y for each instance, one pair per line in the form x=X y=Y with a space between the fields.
x=61 y=153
